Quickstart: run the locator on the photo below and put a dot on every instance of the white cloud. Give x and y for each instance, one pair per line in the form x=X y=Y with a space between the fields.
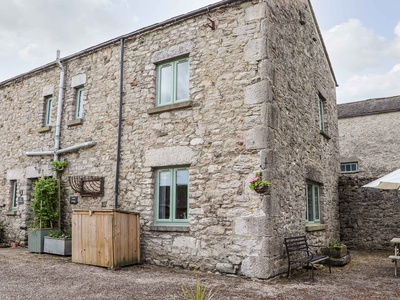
x=353 y=47
x=361 y=87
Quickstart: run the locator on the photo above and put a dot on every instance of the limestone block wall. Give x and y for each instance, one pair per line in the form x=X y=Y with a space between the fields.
x=254 y=85
x=368 y=217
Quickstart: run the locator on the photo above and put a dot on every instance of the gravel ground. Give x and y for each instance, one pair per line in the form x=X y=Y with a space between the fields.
x=24 y=275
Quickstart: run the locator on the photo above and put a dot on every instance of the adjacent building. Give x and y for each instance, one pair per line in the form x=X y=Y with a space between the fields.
x=368 y=150
x=174 y=120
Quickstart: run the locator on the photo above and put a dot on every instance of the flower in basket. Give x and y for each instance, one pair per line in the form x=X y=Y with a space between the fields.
x=259 y=184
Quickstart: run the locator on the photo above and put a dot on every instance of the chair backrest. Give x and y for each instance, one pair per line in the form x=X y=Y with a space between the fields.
x=296 y=243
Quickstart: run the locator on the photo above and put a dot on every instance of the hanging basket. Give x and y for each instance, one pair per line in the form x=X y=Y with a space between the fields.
x=261 y=189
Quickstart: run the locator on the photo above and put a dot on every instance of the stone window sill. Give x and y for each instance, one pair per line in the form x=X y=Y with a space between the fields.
x=160 y=109
x=325 y=135
x=11 y=213
x=315 y=227
x=170 y=228
x=44 y=129
x=75 y=122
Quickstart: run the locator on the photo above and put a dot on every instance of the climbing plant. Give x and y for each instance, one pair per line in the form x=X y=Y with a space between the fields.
x=45 y=204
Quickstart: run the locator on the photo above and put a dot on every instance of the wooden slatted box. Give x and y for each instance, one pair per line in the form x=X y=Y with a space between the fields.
x=105 y=237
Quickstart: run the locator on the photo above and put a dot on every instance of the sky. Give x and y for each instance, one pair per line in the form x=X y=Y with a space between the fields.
x=362 y=36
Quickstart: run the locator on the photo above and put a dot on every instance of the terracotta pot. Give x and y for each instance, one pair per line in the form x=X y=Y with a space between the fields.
x=14 y=245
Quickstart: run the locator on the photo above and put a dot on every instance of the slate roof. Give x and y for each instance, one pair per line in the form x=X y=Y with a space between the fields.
x=369 y=107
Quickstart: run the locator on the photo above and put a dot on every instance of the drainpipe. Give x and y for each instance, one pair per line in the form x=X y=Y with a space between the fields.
x=59 y=107
x=121 y=93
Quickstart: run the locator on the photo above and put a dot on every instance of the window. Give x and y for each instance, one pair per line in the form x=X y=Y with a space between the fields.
x=172 y=196
x=13 y=194
x=313 y=202
x=173 y=82
x=48 y=101
x=79 y=103
x=349 y=167
x=321 y=114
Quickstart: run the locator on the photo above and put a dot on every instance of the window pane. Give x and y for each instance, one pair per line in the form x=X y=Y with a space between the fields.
x=164 y=194
x=79 y=103
x=182 y=182
x=14 y=194
x=321 y=115
x=316 y=202
x=342 y=167
x=48 y=111
x=347 y=168
x=354 y=167
x=310 y=211
x=165 y=82
x=182 y=80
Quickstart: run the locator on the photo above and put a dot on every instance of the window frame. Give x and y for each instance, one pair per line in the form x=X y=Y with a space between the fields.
x=48 y=107
x=14 y=198
x=315 y=202
x=321 y=113
x=172 y=220
x=79 y=95
x=350 y=164
x=173 y=83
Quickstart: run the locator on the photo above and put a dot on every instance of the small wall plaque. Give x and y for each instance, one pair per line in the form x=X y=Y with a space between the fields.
x=21 y=200
x=73 y=200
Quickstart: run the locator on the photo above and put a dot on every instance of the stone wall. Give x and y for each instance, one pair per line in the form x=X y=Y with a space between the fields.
x=368 y=217
x=254 y=85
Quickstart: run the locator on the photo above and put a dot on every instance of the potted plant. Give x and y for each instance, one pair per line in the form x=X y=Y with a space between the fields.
x=45 y=207
x=58 y=242
x=337 y=252
x=258 y=184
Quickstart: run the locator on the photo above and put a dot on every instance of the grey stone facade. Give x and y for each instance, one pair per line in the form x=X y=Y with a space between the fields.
x=254 y=86
x=367 y=130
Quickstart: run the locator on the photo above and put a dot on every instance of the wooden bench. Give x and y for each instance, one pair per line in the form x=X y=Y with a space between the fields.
x=298 y=251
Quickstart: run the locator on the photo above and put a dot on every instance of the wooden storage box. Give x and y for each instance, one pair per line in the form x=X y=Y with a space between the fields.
x=105 y=237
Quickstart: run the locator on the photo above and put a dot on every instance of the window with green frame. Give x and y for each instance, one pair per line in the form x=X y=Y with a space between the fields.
x=13 y=194
x=321 y=113
x=313 y=202
x=48 y=102
x=79 y=103
x=173 y=82
x=172 y=196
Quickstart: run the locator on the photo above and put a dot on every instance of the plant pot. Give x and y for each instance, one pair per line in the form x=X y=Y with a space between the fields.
x=59 y=246
x=335 y=252
x=36 y=239
x=261 y=189
x=14 y=245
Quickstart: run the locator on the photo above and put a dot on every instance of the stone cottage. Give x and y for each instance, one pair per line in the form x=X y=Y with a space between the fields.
x=369 y=217
x=177 y=118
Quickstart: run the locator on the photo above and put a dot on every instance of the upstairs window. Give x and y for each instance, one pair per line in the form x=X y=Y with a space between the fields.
x=173 y=82
x=172 y=196
x=349 y=167
x=79 y=103
x=13 y=194
x=321 y=113
x=48 y=102
x=313 y=203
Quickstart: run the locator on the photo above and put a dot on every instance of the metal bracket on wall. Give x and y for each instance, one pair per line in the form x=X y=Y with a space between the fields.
x=87 y=186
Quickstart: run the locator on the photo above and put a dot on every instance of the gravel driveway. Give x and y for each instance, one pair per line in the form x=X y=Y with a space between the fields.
x=24 y=275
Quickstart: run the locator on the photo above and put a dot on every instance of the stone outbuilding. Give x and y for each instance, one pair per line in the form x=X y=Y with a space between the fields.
x=177 y=118
x=369 y=218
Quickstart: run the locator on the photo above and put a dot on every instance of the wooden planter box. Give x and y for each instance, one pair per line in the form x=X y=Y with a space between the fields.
x=105 y=237
x=36 y=239
x=59 y=246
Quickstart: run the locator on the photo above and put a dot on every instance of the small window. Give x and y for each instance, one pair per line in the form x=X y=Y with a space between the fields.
x=173 y=82
x=321 y=113
x=313 y=202
x=350 y=167
x=48 y=102
x=79 y=103
x=13 y=194
x=172 y=196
